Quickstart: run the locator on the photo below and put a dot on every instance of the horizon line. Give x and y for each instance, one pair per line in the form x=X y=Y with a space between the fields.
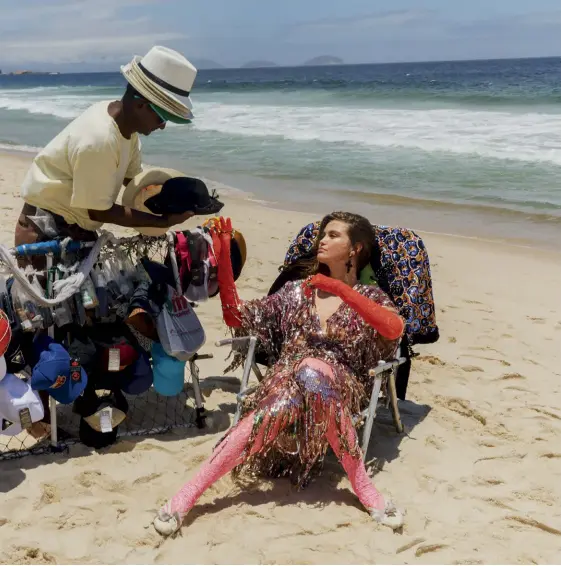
x=283 y=66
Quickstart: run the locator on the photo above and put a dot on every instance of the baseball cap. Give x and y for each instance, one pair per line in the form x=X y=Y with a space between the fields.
x=3 y=367
x=137 y=378
x=16 y=396
x=169 y=372
x=98 y=413
x=57 y=373
x=5 y=332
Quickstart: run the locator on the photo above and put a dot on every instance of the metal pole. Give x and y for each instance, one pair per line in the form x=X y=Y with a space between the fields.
x=51 y=331
x=199 y=406
x=371 y=410
x=245 y=376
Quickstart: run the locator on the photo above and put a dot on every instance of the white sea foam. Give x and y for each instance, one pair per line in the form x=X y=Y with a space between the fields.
x=530 y=137
x=525 y=137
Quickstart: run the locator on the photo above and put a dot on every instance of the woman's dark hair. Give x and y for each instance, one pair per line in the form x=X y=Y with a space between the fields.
x=360 y=232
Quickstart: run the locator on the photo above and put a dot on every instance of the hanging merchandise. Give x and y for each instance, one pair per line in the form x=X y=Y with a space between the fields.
x=88 y=294
x=100 y=289
x=179 y=328
x=63 y=313
x=28 y=313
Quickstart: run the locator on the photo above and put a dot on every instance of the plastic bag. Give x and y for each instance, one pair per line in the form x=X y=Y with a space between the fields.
x=100 y=285
x=179 y=328
x=28 y=313
x=88 y=294
x=46 y=312
x=63 y=312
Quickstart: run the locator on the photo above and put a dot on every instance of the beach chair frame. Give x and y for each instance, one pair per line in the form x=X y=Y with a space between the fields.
x=383 y=389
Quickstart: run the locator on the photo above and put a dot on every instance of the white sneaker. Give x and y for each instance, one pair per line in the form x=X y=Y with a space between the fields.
x=166 y=524
x=390 y=516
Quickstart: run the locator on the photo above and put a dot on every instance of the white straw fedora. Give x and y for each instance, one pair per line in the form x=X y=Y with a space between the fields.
x=165 y=78
x=142 y=187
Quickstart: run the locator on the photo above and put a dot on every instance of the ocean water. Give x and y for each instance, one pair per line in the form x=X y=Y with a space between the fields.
x=480 y=135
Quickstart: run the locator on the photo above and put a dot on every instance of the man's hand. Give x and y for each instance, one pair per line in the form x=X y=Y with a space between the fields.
x=130 y=218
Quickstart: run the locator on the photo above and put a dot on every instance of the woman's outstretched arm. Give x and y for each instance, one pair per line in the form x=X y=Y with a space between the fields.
x=222 y=241
x=387 y=322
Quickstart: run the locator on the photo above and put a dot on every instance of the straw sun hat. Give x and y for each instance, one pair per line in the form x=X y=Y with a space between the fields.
x=165 y=78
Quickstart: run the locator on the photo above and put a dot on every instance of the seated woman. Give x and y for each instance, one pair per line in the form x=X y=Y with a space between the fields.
x=332 y=330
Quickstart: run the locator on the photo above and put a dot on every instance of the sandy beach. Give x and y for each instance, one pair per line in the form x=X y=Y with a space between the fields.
x=479 y=470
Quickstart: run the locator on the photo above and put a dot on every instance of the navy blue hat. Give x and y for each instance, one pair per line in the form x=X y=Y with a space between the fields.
x=138 y=378
x=181 y=194
x=57 y=373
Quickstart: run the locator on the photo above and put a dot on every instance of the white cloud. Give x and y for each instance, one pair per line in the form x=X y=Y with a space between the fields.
x=69 y=31
x=372 y=26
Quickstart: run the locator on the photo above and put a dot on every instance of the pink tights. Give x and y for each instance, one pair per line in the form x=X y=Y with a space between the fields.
x=230 y=453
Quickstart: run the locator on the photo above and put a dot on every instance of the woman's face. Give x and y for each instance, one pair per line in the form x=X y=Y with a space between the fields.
x=335 y=247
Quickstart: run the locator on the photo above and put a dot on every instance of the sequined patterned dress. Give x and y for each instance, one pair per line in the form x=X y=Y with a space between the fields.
x=303 y=398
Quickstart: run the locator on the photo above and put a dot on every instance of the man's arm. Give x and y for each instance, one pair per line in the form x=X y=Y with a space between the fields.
x=130 y=218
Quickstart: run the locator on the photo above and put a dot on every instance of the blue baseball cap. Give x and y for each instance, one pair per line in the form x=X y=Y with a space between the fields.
x=57 y=373
x=138 y=378
x=169 y=372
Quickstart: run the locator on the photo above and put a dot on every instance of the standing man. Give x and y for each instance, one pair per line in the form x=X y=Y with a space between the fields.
x=73 y=183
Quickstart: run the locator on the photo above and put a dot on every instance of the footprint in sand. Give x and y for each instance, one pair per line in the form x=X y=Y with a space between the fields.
x=433 y=360
x=29 y=555
x=507 y=376
x=49 y=494
x=146 y=479
x=462 y=407
x=471 y=369
x=536 y=319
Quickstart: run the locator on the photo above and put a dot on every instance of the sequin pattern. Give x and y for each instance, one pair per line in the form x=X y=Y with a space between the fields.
x=305 y=399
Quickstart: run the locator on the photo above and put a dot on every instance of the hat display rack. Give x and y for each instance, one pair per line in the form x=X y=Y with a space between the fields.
x=150 y=413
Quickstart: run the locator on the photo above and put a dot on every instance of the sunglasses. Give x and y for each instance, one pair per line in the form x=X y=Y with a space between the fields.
x=162 y=114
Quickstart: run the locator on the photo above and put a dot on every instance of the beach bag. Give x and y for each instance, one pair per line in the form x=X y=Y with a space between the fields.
x=179 y=329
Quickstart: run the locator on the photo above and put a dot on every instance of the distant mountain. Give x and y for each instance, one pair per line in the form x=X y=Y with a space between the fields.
x=324 y=60
x=258 y=64
x=207 y=64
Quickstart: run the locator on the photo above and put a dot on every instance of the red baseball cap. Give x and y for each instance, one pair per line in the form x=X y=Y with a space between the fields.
x=5 y=332
x=121 y=353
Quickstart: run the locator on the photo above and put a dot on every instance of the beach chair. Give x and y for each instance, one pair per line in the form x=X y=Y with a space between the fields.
x=383 y=389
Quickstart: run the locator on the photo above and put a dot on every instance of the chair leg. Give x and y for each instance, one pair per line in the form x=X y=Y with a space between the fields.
x=249 y=362
x=200 y=418
x=257 y=372
x=392 y=398
x=367 y=431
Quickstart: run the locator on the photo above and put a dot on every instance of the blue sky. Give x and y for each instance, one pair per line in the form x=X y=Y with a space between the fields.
x=101 y=34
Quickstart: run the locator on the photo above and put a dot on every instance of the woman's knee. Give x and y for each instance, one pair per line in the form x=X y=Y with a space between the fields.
x=316 y=377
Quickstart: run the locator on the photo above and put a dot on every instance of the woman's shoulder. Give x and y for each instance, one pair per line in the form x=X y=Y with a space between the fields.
x=291 y=286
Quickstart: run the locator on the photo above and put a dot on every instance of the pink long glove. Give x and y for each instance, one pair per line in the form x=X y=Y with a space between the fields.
x=221 y=232
x=389 y=324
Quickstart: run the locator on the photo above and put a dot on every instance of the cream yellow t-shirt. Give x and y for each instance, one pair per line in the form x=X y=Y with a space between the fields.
x=83 y=168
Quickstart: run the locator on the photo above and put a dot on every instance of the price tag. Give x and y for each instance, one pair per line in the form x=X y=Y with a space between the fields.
x=114 y=359
x=105 y=419
x=25 y=418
